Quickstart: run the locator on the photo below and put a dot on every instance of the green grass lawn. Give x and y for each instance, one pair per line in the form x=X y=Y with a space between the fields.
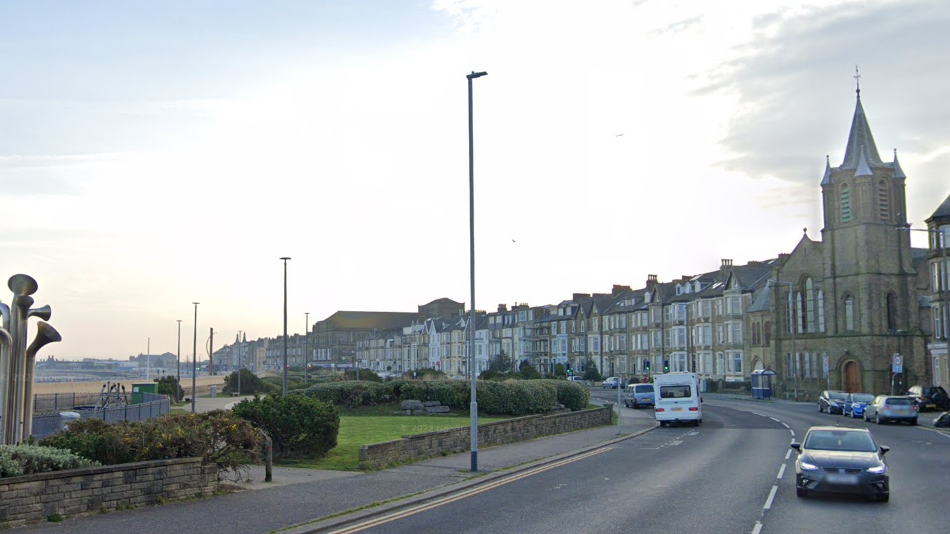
x=359 y=430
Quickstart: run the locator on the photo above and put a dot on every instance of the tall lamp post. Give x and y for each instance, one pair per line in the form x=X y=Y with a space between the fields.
x=285 y=325
x=306 y=350
x=194 y=361
x=794 y=325
x=471 y=219
x=178 y=371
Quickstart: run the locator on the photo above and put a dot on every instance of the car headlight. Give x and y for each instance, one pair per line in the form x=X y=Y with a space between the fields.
x=808 y=467
x=877 y=470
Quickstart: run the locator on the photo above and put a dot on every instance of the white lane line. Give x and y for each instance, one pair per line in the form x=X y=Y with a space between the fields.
x=759 y=414
x=774 y=419
x=788 y=454
x=792 y=431
x=758 y=527
x=786 y=426
x=781 y=471
x=768 y=503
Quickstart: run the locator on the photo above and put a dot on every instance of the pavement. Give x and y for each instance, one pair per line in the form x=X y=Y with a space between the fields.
x=311 y=500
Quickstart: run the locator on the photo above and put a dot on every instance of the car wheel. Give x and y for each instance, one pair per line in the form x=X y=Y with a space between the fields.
x=877 y=418
x=662 y=423
x=913 y=422
x=865 y=417
x=884 y=498
x=820 y=409
x=801 y=492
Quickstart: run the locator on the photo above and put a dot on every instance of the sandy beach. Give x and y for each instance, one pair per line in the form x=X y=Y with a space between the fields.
x=202 y=382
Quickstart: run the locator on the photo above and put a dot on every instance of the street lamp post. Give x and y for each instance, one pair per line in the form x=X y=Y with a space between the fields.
x=285 y=324
x=178 y=371
x=194 y=361
x=794 y=326
x=306 y=350
x=471 y=218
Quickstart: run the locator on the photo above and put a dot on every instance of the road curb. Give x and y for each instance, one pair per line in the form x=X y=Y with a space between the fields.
x=346 y=519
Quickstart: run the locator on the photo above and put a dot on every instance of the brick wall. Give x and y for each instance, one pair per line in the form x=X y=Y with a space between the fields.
x=428 y=445
x=32 y=498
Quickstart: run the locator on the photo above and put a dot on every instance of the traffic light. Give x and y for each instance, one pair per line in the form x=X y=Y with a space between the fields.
x=666 y=366
x=646 y=364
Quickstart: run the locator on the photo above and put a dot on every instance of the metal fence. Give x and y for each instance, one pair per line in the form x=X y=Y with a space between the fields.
x=153 y=405
x=53 y=402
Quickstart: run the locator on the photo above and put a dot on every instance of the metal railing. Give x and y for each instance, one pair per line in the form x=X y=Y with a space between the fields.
x=153 y=405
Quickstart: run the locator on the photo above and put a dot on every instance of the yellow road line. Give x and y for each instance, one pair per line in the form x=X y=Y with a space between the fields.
x=462 y=495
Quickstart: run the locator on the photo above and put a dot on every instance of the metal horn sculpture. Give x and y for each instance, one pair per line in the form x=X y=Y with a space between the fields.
x=16 y=359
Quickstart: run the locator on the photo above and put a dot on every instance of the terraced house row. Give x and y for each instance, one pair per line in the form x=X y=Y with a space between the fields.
x=832 y=313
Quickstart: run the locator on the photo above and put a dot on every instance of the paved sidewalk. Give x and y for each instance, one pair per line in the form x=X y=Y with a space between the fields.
x=300 y=496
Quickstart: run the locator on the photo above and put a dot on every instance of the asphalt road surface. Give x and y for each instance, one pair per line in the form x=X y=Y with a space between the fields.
x=735 y=473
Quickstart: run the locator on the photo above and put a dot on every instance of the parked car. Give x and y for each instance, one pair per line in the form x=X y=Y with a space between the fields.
x=831 y=401
x=579 y=379
x=930 y=398
x=639 y=395
x=895 y=408
x=840 y=460
x=854 y=404
x=612 y=383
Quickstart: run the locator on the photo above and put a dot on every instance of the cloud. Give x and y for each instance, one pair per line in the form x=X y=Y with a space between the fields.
x=794 y=87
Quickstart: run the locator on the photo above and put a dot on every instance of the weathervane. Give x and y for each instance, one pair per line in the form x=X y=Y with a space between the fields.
x=17 y=359
x=857 y=80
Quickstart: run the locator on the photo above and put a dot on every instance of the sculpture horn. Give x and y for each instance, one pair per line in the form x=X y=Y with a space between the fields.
x=5 y=312
x=45 y=334
x=22 y=284
x=43 y=312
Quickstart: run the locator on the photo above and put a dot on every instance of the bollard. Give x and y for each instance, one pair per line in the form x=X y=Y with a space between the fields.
x=268 y=459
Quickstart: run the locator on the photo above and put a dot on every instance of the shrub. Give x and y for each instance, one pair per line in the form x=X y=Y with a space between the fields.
x=528 y=372
x=216 y=437
x=250 y=383
x=591 y=373
x=364 y=375
x=17 y=460
x=353 y=393
x=297 y=424
x=571 y=394
x=168 y=385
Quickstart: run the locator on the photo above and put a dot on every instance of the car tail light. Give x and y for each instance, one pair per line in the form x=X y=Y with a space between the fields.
x=694 y=409
x=913 y=407
x=659 y=409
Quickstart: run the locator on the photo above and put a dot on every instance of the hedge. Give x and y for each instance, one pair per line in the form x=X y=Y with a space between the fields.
x=17 y=460
x=298 y=426
x=510 y=397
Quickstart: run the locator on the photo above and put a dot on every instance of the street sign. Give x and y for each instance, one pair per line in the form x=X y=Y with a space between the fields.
x=897 y=363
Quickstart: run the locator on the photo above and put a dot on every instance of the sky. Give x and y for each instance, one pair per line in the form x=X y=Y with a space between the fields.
x=156 y=154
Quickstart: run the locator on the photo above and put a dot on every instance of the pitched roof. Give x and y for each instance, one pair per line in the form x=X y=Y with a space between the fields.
x=942 y=211
x=370 y=319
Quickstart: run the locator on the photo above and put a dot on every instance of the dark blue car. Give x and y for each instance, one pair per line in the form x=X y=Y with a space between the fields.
x=854 y=404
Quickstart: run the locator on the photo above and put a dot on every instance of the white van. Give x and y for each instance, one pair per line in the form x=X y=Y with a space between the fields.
x=677 y=399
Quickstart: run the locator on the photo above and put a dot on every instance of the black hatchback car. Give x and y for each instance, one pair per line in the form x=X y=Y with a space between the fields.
x=930 y=398
x=832 y=401
x=841 y=460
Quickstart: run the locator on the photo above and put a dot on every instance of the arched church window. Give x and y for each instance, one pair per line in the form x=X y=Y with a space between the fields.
x=800 y=316
x=883 y=201
x=891 y=312
x=821 y=311
x=809 y=305
x=848 y=312
x=845 y=204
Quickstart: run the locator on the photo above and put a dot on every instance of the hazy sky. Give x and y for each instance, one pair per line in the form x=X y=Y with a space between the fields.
x=153 y=154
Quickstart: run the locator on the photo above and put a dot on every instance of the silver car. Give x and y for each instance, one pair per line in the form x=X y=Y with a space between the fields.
x=895 y=408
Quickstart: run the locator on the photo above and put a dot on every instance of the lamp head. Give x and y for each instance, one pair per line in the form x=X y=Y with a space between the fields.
x=474 y=75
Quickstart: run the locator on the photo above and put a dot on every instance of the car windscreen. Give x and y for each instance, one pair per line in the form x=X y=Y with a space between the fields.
x=836 y=395
x=839 y=440
x=862 y=398
x=899 y=401
x=645 y=389
x=676 y=392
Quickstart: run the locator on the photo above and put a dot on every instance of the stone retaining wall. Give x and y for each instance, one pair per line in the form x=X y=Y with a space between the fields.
x=430 y=444
x=32 y=498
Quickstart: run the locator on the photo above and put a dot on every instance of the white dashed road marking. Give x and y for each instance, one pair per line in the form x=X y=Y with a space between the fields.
x=768 y=503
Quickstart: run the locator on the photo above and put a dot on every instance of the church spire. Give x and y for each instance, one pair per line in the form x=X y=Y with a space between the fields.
x=860 y=138
x=826 y=179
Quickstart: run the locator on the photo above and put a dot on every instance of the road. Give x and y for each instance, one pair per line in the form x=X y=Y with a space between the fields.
x=735 y=473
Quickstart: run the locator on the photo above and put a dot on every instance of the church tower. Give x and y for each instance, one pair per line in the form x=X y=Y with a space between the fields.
x=868 y=260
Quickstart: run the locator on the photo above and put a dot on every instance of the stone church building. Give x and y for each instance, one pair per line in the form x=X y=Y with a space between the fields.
x=846 y=305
